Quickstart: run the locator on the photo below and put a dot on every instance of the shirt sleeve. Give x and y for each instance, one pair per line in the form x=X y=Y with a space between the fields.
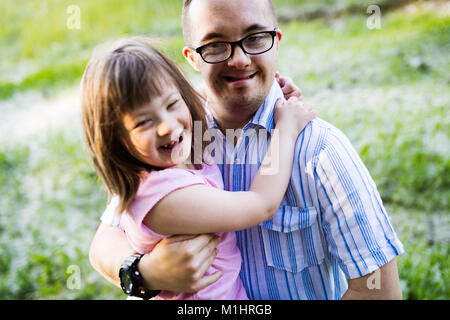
x=357 y=228
x=167 y=180
x=158 y=185
x=152 y=188
x=111 y=215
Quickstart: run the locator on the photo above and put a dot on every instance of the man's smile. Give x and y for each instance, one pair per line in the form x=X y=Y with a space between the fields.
x=239 y=79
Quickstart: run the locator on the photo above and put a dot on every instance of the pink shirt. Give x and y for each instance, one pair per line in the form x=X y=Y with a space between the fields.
x=155 y=186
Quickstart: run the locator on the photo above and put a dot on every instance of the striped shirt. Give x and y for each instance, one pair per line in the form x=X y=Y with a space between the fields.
x=331 y=225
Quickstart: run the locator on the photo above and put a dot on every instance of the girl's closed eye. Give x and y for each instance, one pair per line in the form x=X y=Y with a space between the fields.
x=143 y=123
x=172 y=105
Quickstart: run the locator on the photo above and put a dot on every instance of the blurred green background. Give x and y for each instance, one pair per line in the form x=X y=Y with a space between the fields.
x=387 y=89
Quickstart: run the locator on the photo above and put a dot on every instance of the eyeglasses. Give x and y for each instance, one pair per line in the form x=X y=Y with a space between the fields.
x=253 y=44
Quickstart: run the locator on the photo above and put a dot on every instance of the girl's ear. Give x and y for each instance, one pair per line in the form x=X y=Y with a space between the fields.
x=189 y=54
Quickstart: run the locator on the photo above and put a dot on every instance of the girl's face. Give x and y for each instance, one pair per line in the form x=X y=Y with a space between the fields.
x=161 y=131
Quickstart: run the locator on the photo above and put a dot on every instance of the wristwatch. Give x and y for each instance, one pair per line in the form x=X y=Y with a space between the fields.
x=131 y=280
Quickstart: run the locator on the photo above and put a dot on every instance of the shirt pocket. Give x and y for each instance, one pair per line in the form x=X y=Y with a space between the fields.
x=292 y=240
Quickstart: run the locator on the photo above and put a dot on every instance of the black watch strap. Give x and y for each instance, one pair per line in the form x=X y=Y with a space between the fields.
x=131 y=280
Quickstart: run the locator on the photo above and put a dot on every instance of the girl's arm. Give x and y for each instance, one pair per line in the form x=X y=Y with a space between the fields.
x=204 y=209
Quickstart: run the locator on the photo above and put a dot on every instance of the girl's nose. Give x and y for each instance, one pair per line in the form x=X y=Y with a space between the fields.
x=163 y=129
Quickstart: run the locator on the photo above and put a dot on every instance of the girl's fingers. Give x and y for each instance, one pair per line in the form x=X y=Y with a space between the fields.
x=296 y=92
x=292 y=92
x=281 y=81
x=288 y=87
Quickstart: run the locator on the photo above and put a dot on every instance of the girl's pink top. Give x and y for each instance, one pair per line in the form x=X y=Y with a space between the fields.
x=155 y=186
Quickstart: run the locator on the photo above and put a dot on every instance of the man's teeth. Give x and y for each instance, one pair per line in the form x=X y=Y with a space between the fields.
x=241 y=78
x=231 y=78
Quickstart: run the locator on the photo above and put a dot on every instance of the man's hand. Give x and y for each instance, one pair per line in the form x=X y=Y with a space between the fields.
x=178 y=263
x=288 y=87
x=382 y=284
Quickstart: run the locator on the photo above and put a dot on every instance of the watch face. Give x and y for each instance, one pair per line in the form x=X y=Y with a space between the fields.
x=125 y=281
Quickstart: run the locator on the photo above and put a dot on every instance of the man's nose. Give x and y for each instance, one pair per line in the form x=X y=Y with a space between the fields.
x=239 y=59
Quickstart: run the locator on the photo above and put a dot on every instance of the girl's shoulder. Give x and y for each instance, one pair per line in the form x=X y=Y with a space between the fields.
x=171 y=178
x=166 y=175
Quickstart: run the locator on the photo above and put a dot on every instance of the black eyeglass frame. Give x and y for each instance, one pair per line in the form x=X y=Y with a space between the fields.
x=233 y=44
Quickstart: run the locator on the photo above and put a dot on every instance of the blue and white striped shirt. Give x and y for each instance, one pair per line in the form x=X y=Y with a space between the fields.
x=331 y=224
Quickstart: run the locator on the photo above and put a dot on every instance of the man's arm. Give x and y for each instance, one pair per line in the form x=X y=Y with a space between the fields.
x=109 y=249
x=356 y=225
x=382 y=284
x=177 y=263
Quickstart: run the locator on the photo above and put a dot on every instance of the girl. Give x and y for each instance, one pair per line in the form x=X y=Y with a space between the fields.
x=139 y=114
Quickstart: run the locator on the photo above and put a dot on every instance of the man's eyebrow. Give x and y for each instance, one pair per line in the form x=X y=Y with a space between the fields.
x=254 y=27
x=211 y=35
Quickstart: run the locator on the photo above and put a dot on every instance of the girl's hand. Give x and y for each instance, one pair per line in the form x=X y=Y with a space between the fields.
x=292 y=115
x=288 y=87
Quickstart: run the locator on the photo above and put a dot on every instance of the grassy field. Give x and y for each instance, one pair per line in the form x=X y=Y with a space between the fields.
x=387 y=89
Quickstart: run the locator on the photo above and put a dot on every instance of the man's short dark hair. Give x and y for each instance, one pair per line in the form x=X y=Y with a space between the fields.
x=187 y=25
x=185 y=22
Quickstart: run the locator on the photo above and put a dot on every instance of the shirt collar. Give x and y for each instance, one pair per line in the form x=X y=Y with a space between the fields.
x=263 y=116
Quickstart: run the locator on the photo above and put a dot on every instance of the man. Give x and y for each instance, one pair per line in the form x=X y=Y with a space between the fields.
x=331 y=237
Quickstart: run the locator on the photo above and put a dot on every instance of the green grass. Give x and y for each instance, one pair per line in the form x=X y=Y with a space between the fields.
x=40 y=52
x=394 y=112
x=424 y=269
x=49 y=213
x=387 y=89
x=346 y=54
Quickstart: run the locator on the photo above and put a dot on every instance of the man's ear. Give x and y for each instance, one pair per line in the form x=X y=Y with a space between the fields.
x=279 y=35
x=189 y=54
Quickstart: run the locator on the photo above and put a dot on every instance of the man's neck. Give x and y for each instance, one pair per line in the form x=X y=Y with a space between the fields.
x=228 y=119
x=232 y=124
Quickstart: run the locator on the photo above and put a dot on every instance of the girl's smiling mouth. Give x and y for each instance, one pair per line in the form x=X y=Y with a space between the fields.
x=170 y=146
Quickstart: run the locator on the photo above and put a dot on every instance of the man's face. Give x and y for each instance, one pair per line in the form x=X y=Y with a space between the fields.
x=241 y=83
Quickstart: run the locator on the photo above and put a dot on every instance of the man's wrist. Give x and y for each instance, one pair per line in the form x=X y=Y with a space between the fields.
x=118 y=266
x=131 y=280
x=144 y=268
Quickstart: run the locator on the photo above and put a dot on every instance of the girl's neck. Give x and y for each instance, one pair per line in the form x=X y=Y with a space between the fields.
x=188 y=166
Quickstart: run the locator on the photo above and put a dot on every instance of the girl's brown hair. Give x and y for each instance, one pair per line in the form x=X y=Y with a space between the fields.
x=116 y=81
